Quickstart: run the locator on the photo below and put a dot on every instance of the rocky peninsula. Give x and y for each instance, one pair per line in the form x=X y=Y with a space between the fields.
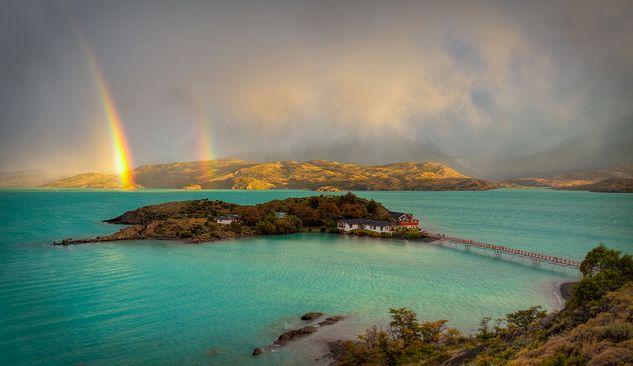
x=198 y=221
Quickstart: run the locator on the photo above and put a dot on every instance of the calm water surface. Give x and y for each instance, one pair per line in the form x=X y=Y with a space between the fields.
x=163 y=303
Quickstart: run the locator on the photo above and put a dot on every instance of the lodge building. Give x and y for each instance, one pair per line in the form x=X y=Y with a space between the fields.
x=227 y=219
x=402 y=220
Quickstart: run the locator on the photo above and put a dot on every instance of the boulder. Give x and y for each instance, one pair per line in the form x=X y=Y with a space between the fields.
x=311 y=316
x=331 y=320
x=294 y=334
x=257 y=351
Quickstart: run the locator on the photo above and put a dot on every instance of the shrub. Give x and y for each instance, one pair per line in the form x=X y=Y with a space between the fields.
x=603 y=270
x=266 y=227
x=617 y=332
x=406 y=233
x=185 y=234
x=405 y=342
x=522 y=318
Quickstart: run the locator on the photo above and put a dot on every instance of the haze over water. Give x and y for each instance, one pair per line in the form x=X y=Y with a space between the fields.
x=154 y=302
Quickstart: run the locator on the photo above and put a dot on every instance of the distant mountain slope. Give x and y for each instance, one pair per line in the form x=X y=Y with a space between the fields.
x=25 y=179
x=355 y=149
x=599 y=180
x=240 y=174
x=612 y=185
x=87 y=180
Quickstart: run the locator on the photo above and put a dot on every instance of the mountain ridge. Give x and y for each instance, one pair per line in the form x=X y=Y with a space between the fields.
x=616 y=179
x=233 y=173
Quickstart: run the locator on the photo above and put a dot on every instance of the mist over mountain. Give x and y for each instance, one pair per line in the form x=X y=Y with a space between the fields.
x=380 y=150
x=601 y=148
x=26 y=178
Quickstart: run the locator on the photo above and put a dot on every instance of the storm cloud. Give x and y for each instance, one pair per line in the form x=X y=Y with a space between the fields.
x=476 y=83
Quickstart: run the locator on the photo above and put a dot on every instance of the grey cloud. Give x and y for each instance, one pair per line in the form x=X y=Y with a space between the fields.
x=315 y=80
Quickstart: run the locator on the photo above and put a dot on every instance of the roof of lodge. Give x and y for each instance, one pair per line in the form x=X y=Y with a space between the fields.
x=396 y=214
x=367 y=222
x=228 y=217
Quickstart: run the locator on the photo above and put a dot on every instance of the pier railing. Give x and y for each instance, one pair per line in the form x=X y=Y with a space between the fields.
x=499 y=249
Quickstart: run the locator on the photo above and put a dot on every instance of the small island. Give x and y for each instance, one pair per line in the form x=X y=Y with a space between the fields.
x=199 y=221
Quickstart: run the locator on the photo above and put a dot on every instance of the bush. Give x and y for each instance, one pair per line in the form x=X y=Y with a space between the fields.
x=185 y=234
x=266 y=228
x=603 y=270
x=617 y=332
x=522 y=318
x=405 y=342
x=406 y=233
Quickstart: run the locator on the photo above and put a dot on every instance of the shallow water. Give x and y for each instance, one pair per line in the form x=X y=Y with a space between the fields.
x=155 y=303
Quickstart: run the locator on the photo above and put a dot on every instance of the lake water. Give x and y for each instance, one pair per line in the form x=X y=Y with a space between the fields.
x=163 y=303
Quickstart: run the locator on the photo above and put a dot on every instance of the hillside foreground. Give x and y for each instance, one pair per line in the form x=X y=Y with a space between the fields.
x=594 y=328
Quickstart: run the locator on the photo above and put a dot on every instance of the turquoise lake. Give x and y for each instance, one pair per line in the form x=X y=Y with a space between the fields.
x=167 y=303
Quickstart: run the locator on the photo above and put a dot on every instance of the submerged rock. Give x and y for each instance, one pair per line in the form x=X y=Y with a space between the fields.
x=311 y=316
x=257 y=351
x=294 y=334
x=212 y=352
x=331 y=320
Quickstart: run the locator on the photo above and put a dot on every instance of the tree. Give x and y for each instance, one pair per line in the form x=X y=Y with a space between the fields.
x=372 y=207
x=405 y=324
x=314 y=202
x=485 y=332
x=522 y=318
x=603 y=270
x=266 y=227
x=431 y=331
x=601 y=258
x=348 y=197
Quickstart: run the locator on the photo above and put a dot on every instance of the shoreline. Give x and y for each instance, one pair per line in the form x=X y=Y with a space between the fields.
x=565 y=290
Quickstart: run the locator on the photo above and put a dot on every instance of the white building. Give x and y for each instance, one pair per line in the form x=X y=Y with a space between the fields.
x=227 y=219
x=363 y=224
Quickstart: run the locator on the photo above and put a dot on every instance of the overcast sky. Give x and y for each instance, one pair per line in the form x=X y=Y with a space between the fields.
x=478 y=80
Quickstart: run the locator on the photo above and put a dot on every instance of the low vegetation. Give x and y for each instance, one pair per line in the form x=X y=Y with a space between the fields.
x=594 y=328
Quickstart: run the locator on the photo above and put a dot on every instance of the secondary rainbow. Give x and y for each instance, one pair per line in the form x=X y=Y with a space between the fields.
x=205 y=153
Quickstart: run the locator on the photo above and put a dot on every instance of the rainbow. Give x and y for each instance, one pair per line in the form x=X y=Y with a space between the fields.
x=203 y=145
x=122 y=156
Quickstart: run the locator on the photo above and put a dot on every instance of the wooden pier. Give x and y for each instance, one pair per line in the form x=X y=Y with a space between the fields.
x=499 y=250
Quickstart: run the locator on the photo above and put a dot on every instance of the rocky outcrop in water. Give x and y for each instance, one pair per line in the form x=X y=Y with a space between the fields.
x=331 y=320
x=293 y=334
x=311 y=316
x=297 y=333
